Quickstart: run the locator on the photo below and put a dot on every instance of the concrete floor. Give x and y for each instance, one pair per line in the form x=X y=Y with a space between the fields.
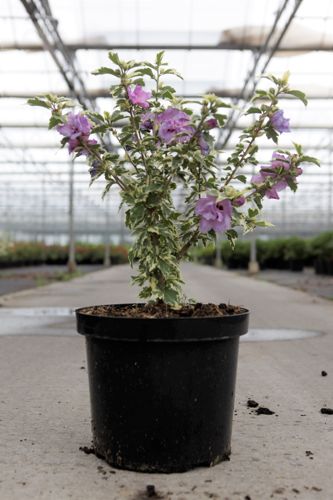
x=44 y=400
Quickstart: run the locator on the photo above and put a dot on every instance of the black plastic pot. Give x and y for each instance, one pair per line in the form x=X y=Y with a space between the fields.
x=296 y=265
x=162 y=390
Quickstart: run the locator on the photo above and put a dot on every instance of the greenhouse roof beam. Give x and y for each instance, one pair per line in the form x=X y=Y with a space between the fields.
x=46 y=27
x=73 y=47
x=251 y=79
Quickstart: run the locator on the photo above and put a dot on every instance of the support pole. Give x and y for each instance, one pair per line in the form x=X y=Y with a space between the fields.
x=330 y=186
x=107 y=257
x=122 y=226
x=218 y=253
x=71 y=264
x=253 y=267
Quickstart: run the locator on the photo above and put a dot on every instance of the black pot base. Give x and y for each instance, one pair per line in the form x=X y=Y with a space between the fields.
x=157 y=468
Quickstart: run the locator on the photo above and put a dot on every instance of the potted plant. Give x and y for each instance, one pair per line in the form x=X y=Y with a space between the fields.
x=295 y=253
x=162 y=373
x=322 y=251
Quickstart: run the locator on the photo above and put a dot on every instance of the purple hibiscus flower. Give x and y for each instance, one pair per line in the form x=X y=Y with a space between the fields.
x=77 y=129
x=214 y=215
x=95 y=168
x=210 y=123
x=203 y=145
x=238 y=202
x=174 y=126
x=279 y=122
x=138 y=96
x=271 y=172
x=147 y=121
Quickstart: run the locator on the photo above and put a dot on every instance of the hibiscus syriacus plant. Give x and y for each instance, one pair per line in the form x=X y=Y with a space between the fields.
x=162 y=142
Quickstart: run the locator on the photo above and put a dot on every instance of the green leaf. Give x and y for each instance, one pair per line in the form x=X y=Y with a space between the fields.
x=261 y=93
x=100 y=129
x=54 y=121
x=167 y=91
x=241 y=178
x=116 y=116
x=171 y=71
x=271 y=133
x=113 y=56
x=258 y=201
x=232 y=236
x=159 y=57
x=144 y=71
x=253 y=212
x=106 y=71
x=37 y=101
x=170 y=296
x=300 y=95
x=298 y=148
x=263 y=223
x=139 y=81
x=220 y=118
x=252 y=110
x=222 y=104
x=310 y=159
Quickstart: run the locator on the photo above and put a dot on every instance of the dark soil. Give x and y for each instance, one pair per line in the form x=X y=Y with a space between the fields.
x=264 y=411
x=87 y=450
x=251 y=403
x=150 y=490
x=161 y=310
x=326 y=411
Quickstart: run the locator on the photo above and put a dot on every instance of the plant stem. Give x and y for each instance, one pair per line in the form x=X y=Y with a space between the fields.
x=254 y=136
x=187 y=245
x=136 y=130
x=95 y=155
x=126 y=152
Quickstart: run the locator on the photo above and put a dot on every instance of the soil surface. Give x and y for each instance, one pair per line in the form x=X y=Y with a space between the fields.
x=161 y=310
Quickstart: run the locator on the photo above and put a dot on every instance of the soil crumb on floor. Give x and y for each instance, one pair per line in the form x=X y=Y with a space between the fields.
x=150 y=491
x=326 y=411
x=87 y=450
x=264 y=411
x=251 y=403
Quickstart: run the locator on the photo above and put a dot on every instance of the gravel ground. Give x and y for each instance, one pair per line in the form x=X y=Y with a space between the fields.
x=307 y=281
x=22 y=278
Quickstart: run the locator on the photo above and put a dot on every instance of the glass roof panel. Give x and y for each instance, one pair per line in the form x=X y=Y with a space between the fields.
x=213 y=44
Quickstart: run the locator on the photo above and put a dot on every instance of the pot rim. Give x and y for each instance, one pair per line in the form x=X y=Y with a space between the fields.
x=172 y=329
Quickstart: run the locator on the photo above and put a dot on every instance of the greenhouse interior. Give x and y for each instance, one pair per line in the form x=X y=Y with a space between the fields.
x=190 y=145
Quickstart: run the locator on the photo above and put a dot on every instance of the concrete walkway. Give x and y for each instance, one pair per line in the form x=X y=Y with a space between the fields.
x=44 y=400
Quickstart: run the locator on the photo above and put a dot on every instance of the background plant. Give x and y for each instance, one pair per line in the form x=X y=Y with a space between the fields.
x=166 y=141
